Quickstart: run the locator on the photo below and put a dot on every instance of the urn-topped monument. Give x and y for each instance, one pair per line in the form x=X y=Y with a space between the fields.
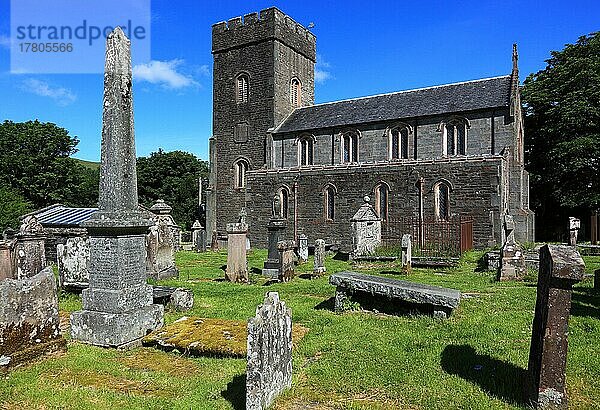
x=117 y=306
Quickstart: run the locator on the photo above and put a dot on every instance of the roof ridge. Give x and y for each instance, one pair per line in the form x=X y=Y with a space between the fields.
x=396 y=92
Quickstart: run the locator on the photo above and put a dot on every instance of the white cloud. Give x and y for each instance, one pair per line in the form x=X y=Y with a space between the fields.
x=163 y=73
x=204 y=70
x=321 y=74
x=62 y=96
x=4 y=41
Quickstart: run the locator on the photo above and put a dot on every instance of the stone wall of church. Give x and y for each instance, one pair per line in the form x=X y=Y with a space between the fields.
x=475 y=191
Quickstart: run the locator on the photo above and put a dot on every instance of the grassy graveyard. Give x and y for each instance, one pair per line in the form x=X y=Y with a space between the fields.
x=358 y=360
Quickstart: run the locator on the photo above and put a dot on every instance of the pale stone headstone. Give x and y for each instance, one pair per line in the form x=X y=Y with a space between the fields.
x=117 y=306
x=512 y=262
x=161 y=243
x=8 y=259
x=366 y=228
x=269 y=367
x=560 y=268
x=237 y=264
x=574 y=226
x=73 y=258
x=303 y=248
x=287 y=260
x=29 y=323
x=406 y=252
x=31 y=254
x=276 y=230
x=319 y=260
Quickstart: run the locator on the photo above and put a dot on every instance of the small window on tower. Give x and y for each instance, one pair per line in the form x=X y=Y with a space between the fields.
x=240 y=168
x=241 y=88
x=296 y=92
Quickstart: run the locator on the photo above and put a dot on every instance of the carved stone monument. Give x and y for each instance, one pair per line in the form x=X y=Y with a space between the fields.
x=302 y=248
x=117 y=305
x=560 y=268
x=406 y=253
x=237 y=264
x=31 y=255
x=269 y=367
x=73 y=258
x=161 y=243
x=512 y=261
x=275 y=229
x=287 y=260
x=574 y=226
x=366 y=228
x=198 y=237
x=319 y=261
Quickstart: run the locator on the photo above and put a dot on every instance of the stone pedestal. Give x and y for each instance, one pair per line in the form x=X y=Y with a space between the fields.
x=406 y=253
x=117 y=305
x=269 y=366
x=276 y=230
x=319 y=260
x=560 y=268
x=366 y=229
x=303 y=248
x=237 y=265
x=287 y=260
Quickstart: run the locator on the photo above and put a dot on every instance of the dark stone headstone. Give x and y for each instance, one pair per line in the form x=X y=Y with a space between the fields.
x=117 y=305
x=319 y=259
x=560 y=268
x=275 y=229
x=269 y=367
x=287 y=260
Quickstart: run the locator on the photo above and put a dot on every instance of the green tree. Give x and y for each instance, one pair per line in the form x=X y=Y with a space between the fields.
x=35 y=160
x=562 y=123
x=173 y=177
x=12 y=206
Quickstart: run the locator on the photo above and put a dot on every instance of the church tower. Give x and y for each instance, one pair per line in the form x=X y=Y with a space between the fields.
x=263 y=69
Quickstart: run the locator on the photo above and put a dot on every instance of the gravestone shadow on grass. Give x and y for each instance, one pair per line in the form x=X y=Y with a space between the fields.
x=585 y=302
x=236 y=392
x=498 y=378
x=327 y=304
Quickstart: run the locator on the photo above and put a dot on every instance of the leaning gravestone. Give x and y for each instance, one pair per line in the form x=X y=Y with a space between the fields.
x=560 y=268
x=73 y=259
x=117 y=305
x=319 y=263
x=269 y=367
x=366 y=228
x=29 y=324
x=237 y=264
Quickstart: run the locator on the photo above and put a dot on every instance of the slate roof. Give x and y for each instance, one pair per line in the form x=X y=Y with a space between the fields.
x=443 y=99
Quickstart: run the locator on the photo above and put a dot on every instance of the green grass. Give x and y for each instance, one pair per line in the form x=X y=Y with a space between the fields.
x=88 y=164
x=358 y=360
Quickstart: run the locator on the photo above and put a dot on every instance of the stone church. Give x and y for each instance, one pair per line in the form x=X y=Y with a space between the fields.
x=432 y=153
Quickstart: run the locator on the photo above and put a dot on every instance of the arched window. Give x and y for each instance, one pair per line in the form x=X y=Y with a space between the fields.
x=284 y=200
x=350 y=146
x=398 y=142
x=442 y=201
x=295 y=92
x=241 y=88
x=381 y=200
x=454 y=141
x=305 y=150
x=240 y=168
x=329 y=205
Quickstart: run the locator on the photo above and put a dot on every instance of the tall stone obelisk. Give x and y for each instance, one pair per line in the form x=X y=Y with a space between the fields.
x=117 y=306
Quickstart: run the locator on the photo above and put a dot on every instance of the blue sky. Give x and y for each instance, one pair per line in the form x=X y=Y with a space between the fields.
x=364 y=48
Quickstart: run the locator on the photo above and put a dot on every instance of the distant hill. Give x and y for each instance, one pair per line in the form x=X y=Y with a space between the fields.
x=88 y=164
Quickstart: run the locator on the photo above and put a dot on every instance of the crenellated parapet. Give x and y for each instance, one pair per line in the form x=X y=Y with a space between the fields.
x=269 y=24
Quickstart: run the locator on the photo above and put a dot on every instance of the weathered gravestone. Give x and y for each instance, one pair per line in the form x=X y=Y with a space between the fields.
x=287 y=260
x=366 y=229
x=512 y=262
x=237 y=264
x=198 y=237
x=73 y=258
x=269 y=367
x=319 y=260
x=303 y=248
x=275 y=229
x=574 y=226
x=29 y=324
x=161 y=242
x=8 y=259
x=117 y=305
x=406 y=252
x=560 y=268
x=31 y=254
